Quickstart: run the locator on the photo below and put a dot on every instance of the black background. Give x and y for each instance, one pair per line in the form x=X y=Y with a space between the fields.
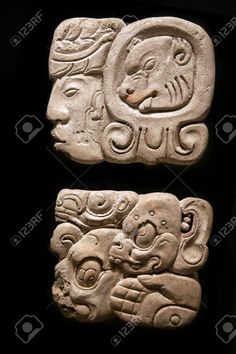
x=38 y=173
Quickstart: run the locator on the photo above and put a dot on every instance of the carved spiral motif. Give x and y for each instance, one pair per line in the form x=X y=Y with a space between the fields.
x=181 y=57
x=182 y=51
x=100 y=203
x=88 y=272
x=64 y=236
x=120 y=139
x=190 y=141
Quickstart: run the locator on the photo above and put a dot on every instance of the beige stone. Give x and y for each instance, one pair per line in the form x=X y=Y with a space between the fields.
x=134 y=93
x=130 y=256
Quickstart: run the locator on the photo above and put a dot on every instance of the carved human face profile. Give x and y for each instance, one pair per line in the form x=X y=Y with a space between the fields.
x=76 y=105
x=77 y=123
x=85 y=278
x=88 y=226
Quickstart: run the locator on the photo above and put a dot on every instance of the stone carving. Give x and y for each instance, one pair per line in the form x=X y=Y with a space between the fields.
x=76 y=107
x=130 y=256
x=159 y=74
x=131 y=93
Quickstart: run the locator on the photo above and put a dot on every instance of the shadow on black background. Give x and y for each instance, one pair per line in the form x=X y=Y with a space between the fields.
x=38 y=173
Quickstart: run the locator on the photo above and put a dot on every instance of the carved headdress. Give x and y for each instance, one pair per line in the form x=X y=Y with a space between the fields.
x=81 y=45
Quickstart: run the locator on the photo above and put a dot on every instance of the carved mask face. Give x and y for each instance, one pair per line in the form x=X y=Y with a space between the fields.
x=159 y=74
x=85 y=278
x=75 y=108
x=151 y=236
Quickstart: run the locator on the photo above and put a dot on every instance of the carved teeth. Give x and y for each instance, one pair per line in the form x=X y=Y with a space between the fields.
x=145 y=105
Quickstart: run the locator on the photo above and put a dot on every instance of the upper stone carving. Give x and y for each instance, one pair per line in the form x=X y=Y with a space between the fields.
x=134 y=93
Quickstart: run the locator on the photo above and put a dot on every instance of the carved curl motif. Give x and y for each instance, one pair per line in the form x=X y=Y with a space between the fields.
x=131 y=256
x=131 y=93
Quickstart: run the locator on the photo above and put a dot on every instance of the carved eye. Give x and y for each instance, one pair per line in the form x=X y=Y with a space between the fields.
x=88 y=272
x=70 y=92
x=145 y=236
x=149 y=65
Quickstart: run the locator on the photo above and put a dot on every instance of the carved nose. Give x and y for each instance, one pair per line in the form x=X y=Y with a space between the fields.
x=129 y=91
x=125 y=91
x=57 y=114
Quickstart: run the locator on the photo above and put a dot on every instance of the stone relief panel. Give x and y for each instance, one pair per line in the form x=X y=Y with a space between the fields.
x=130 y=256
x=131 y=93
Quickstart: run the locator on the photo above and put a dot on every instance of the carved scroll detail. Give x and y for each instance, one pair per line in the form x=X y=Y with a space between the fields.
x=120 y=141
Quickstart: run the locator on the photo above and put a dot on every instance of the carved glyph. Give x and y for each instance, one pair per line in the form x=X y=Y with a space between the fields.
x=130 y=93
x=130 y=256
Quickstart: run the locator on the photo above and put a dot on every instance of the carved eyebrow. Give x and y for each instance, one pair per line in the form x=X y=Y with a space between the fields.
x=70 y=81
x=131 y=69
x=61 y=72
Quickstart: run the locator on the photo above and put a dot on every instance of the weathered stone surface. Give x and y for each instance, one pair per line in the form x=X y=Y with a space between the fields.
x=134 y=93
x=130 y=256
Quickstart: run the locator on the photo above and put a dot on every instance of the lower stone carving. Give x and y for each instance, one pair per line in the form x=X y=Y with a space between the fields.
x=131 y=256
